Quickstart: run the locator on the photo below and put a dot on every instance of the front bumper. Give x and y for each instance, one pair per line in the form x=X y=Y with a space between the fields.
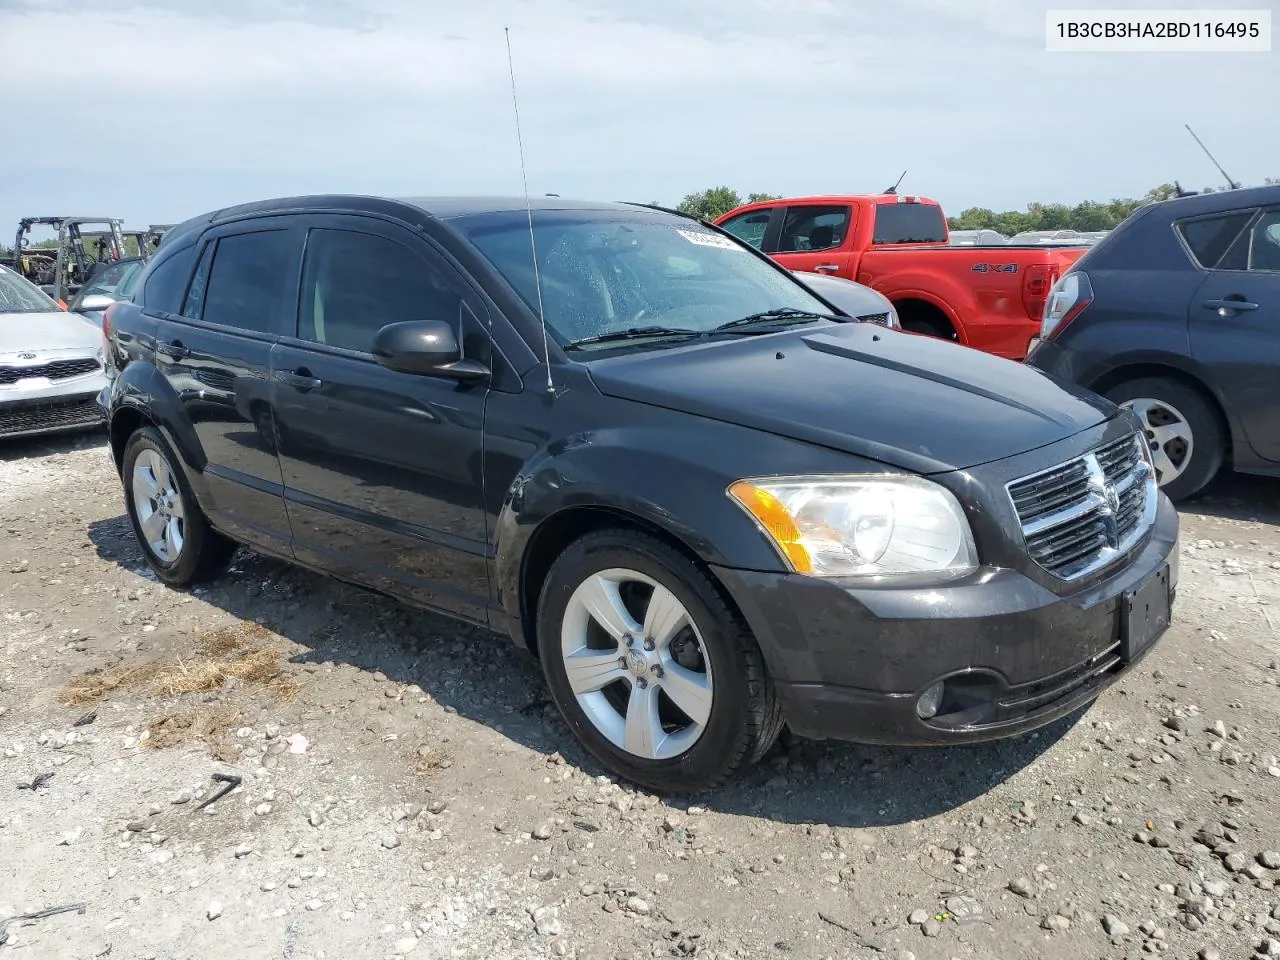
x=852 y=663
x=72 y=407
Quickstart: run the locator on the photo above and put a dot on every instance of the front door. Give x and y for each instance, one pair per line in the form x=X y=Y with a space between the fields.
x=382 y=470
x=1235 y=330
x=216 y=359
x=812 y=239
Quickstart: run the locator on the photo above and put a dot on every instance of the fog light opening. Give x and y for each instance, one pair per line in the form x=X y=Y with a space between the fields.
x=929 y=702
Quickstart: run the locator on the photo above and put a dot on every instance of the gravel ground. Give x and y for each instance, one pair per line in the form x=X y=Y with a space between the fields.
x=406 y=788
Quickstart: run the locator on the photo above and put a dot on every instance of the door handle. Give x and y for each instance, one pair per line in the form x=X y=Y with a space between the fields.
x=172 y=349
x=300 y=379
x=827 y=268
x=1229 y=305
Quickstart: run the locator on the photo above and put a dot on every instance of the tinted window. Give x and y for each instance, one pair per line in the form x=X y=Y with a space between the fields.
x=167 y=281
x=247 y=281
x=909 y=223
x=1210 y=238
x=1264 y=246
x=813 y=228
x=354 y=284
x=603 y=272
x=194 y=304
x=749 y=227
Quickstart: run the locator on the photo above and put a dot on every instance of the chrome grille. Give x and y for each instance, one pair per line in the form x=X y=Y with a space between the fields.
x=54 y=370
x=1083 y=515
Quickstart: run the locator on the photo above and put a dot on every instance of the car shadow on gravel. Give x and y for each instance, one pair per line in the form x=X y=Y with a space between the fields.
x=484 y=678
x=1237 y=496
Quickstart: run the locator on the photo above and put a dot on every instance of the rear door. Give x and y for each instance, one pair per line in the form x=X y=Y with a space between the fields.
x=812 y=238
x=215 y=356
x=1235 y=317
x=383 y=470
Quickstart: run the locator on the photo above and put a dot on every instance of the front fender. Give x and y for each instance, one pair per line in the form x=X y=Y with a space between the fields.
x=143 y=390
x=667 y=478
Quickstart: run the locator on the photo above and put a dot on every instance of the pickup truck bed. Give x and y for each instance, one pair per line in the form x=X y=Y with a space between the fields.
x=988 y=297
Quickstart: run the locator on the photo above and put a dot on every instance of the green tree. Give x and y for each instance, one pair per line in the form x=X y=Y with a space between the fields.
x=718 y=201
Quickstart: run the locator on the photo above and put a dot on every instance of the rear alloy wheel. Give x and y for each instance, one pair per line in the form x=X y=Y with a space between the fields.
x=1182 y=430
x=653 y=670
x=177 y=540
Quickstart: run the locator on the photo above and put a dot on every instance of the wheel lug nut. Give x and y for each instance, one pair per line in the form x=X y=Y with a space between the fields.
x=648 y=644
x=642 y=683
x=657 y=670
x=631 y=641
x=622 y=662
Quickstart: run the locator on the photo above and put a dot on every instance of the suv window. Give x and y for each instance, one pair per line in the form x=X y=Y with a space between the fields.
x=247 y=280
x=354 y=284
x=813 y=228
x=1211 y=239
x=167 y=281
x=749 y=227
x=909 y=223
x=1264 y=245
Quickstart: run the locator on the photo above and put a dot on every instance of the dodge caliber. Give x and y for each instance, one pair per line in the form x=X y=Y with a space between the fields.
x=702 y=497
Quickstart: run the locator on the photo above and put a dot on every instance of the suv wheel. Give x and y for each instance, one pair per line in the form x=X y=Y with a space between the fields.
x=1183 y=431
x=177 y=540
x=653 y=670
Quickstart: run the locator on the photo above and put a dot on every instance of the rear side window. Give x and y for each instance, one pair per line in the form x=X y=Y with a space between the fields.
x=167 y=281
x=813 y=228
x=247 y=280
x=909 y=223
x=749 y=227
x=1211 y=238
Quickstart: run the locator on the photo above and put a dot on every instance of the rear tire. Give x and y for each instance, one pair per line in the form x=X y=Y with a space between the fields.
x=692 y=665
x=173 y=532
x=1183 y=427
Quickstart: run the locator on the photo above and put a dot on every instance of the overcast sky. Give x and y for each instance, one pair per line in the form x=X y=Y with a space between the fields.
x=155 y=110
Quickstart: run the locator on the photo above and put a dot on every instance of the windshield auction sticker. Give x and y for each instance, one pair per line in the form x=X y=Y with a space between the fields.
x=708 y=240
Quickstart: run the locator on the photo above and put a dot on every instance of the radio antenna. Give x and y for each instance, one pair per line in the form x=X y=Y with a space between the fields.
x=528 y=209
x=1231 y=183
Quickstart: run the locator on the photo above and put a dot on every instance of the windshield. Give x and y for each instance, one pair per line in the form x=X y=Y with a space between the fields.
x=19 y=295
x=604 y=273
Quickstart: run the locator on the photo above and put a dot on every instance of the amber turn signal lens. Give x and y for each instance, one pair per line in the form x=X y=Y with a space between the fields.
x=773 y=517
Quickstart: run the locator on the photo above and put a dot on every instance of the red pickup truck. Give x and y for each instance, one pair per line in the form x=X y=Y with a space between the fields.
x=990 y=297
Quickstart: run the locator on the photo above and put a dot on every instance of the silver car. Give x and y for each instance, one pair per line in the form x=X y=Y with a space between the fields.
x=51 y=363
x=852 y=298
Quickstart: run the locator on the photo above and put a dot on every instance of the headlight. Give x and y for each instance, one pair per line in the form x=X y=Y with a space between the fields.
x=871 y=527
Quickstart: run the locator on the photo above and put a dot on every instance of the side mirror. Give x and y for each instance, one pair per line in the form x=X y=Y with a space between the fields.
x=96 y=301
x=425 y=347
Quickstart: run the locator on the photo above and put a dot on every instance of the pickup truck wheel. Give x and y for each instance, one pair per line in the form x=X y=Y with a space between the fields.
x=1183 y=431
x=175 y=537
x=653 y=670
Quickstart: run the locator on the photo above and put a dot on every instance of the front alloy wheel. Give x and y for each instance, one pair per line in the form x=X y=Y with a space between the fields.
x=651 y=666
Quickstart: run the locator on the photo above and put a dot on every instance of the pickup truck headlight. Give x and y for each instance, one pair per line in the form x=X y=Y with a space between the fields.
x=869 y=527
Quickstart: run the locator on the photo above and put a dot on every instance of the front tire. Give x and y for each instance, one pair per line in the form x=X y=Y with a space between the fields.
x=175 y=537
x=1183 y=430
x=654 y=671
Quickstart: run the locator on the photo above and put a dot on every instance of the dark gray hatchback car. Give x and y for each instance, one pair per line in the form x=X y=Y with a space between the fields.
x=705 y=499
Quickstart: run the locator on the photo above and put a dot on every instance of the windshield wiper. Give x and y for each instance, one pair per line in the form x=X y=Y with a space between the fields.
x=633 y=333
x=773 y=317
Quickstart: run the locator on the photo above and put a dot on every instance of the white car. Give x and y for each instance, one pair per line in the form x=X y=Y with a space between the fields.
x=51 y=363
x=853 y=299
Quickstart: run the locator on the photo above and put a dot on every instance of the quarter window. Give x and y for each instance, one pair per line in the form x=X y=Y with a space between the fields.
x=1211 y=240
x=813 y=228
x=167 y=281
x=247 y=280
x=1264 y=243
x=354 y=284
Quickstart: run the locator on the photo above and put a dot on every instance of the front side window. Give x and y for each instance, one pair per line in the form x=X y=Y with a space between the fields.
x=354 y=284
x=116 y=281
x=749 y=227
x=247 y=280
x=603 y=272
x=810 y=229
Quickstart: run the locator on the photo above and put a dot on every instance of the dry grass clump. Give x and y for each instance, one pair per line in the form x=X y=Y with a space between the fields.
x=226 y=653
x=202 y=723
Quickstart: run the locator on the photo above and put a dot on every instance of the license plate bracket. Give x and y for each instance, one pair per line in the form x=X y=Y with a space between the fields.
x=1144 y=614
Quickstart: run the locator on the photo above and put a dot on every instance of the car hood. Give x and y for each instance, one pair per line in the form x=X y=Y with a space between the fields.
x=47 y=333
x=914 y=402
